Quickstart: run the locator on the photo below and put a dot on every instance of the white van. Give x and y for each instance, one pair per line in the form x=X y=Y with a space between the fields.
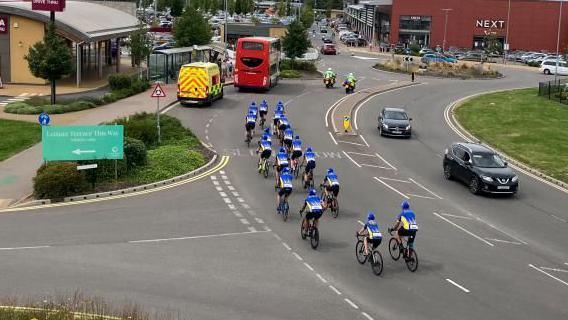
x=549 y=67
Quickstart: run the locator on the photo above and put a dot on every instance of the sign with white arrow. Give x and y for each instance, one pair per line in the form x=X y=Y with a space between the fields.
x=82 y=142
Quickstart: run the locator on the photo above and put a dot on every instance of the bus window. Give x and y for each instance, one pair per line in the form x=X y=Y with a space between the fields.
x=273 y=69
x=251 y=62
x=247 y=45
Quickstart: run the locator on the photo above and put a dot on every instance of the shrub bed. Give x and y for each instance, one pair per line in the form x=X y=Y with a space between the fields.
x=445 y=70
x=290 y=74
x=289 y=64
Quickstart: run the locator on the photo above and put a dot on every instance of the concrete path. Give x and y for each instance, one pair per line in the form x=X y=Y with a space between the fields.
x=17 y=172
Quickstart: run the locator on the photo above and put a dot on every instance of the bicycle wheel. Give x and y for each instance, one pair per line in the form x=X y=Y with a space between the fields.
x=302 y=230
x=360 y=252
x=335 y=208
x=284 y=211
x=412 y=260
x=315 y=239
x=377 y=263
x=266 y=169
x=394 y=249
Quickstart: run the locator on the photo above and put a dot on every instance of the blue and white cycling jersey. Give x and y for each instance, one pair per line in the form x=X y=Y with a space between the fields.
x=297 y=145
x=264 y=107
x=267 y=137
x=250 y=119
x=332 y=179
x=265 y=145
x=282 y=159
x=314 y=204
x=288 y=134
x=373 y=229
x=310 y=156
x=286 y=181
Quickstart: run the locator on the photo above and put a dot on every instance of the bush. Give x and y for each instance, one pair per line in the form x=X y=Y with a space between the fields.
x=289 y=64
x=119 y=81
x=168 y=161
x=25 y=108
x=135 y=153
x=290 y=74
x=58 y=180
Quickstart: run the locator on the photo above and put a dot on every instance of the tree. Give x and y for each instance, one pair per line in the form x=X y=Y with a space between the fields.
x=161 y=5
x=231 y=6
x=295 y=42
x=140 y=45
x=307 y=16
x=192 y=29
x=50 y=59
x=176 y=7
x=214 y=7
x=281 y=11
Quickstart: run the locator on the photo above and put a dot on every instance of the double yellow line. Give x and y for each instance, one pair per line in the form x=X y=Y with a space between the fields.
x=224 y=161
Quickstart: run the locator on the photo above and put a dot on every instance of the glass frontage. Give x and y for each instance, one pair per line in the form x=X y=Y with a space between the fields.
x=415 y=29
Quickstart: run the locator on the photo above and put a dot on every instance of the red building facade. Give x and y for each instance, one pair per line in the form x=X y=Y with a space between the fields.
x=533 y=25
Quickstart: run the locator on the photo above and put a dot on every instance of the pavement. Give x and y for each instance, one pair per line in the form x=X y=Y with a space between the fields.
x=217 y=249
x=17 y=172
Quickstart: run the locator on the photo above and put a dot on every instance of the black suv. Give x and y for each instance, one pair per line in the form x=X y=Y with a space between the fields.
x=394 y=122
x=480 y=168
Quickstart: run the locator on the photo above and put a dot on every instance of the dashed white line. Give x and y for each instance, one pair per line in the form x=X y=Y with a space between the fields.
x=351 y=303
x=258 y=220
x=207 y=125
x=231 y=188
x=277 y=237
x=396 y=180
x=286 y=246
x=464 y=289
x=385 y=161
x=231 y=206
x=252 y=229
x=423 y=187
x=367 y=316
x=221 y=171
x=244 y=205
x=213 y=177
x=419 y=196
x=554 y=269
x=309 y=267
x=321 y=278
x=235 y=194
x=297 y=256
x=363 y=154
x=332 y=138
x=335 y=290
x=23 y=248
x=238 y=214
x=393 y=189
x=195 y=237
x=252 y=212
x=227 y=200
x=345 y=153
x=245 y=221
x=222 y=194
x=464 y=230
x=558 y=218
x=219 y=188
x=504 y=241
x=241 y=200
x=224 y=177
x=362 y=138
x=454 y=216
x=548 y=274
x=215 y=182
x=266 y=228
x=227 y=182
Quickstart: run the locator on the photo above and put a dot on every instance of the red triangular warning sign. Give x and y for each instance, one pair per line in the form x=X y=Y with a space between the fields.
x=158 y=92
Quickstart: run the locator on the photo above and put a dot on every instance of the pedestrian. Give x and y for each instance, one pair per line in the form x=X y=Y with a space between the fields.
x=412 y=76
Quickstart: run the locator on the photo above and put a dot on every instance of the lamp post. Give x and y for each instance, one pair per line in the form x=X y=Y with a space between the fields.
x=506 y=45
x=558 y=40
x=446 y=11
x=226 y=25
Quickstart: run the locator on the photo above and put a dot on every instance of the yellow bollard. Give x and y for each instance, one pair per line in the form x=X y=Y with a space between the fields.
x=346 y=123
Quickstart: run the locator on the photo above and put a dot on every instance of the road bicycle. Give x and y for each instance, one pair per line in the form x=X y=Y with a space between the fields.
x=374 y=258
x=283 y=208
x=331 y=202
x=409 y=255
x=261 y=122
x=312 y=232
x=248 y=138
x=296 y=166
x=307 y=182
x=264 y=168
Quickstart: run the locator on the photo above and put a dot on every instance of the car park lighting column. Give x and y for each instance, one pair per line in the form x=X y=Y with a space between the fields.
x=558 y=40
x=445 y=29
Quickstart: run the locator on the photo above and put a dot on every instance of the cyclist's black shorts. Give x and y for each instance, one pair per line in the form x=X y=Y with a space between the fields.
x=375 y=242
x=310 y=165
x=288 y=143
x=313 y=215
x=411 y=234
x=262 y=113
x=249 y=126
x=266 y=154
x=285 y=192
x=282 y=127
x=275 y=120
x=334 y=189
x=279 y=168
x=296 y=154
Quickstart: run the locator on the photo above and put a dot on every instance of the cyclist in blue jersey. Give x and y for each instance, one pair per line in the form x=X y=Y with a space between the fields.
x=280 y=163
x=405 y=225
x=296 y=152
x=250 y=123
x=371 y=232
x=331 y=184
x=314 y=207
x=276 y=119
x=310 y=161
x=254 y=108
x=283 y=124
x=280 y=105
x=265 y=150
x=288 y=138
x=285 y=185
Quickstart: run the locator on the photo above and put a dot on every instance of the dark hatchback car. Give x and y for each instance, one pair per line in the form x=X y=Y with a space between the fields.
x=394 y=122
x=480 y=168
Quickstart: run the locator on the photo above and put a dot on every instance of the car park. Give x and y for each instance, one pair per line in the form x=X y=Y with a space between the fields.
x=480 y=168
x=328 y=48
x=394 y=122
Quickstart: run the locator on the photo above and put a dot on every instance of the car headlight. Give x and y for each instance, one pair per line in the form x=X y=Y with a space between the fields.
x=407 y=127
x=386 y=126
x=487 y=178
x=515 y=179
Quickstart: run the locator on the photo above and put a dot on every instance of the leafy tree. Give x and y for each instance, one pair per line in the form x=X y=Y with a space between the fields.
x=295 y=43
x=288 y=8
x=140 y=45
x=50 y=59
x=492 y=44
x=281 y=9
x=161 y=5
x=192 y=29
x=146 y=3
x=214 y=7
x=307 y=16
x=231 y=6
x=176 y=7
x=239 y=6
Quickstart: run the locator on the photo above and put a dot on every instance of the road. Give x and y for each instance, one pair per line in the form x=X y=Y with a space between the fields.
x=216 y=248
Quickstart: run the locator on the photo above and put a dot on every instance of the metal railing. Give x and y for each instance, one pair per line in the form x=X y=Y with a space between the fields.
x=554 y=90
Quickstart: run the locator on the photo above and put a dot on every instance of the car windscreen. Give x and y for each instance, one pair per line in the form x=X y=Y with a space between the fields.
x=251 y=62
x=487 y=160
x=395 y=115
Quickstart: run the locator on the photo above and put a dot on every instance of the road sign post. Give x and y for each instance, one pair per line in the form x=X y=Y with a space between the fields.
x=43 y=119
x=82 y=142
x=158 y=93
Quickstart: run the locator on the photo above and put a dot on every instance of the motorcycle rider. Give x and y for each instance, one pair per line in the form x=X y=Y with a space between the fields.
x=329 y=74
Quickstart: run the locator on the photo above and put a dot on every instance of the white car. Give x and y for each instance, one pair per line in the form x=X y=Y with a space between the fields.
x=549 y=67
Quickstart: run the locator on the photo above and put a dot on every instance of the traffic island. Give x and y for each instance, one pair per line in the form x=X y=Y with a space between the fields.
x=462 y=71
x=531 y=132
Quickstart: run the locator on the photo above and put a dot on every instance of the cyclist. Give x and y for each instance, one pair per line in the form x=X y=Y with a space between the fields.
x=371 y=232
x=265 y=150
x=280 y=105
x=283 y=124
x=267 y=134
x=287 y=139
x=254 y=109
x=263 y=110
x=405 y=225
x=285 y=185
x=250 y=123
x=296 y=152
x=310 y=160
x=280 y=163
x=331 y=185
x=314 y=205
x=276 y=118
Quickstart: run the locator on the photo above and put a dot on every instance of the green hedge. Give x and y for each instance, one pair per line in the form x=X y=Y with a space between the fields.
x=25 y=108
x=166 y=162
x=290 y=74
x=288 y=64
x=58 y=180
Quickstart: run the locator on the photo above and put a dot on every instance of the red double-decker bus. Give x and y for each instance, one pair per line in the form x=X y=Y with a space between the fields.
x=257 y=62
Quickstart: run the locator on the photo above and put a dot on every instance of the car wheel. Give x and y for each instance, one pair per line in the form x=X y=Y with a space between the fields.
x=448 y=172
x=546 y=71
x=474 y=185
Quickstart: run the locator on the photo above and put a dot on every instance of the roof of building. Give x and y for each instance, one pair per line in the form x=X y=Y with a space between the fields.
x=80 y=21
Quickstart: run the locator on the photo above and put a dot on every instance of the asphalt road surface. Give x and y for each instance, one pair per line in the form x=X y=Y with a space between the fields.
x=216 y=248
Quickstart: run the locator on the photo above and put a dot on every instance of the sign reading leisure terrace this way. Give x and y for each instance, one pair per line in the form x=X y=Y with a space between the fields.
x=82 y=142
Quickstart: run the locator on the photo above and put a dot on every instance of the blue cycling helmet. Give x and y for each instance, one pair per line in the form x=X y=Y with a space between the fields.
x=264 y=138
x=264 y=102
x=309 y=149
x=253 y=103
x=282 y=149
x=405 y=205
x=297 y=137
x=371 y=216
x=267 y=130
x=312 y=192
x=286 y=170
x=330 y=170
x=280 y=103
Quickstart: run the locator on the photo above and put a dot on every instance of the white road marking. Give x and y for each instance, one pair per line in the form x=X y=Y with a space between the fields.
x=241 y=200
x=227 y=200
x=548 y=274
x=367 y=316
x=397 y=180
x=361 y=222
x=335 y=290
x=374 y=166
x=385 y=161
x=231 y=206
x=244 y=205
x=166 y=110
x=238 y=214
x=308 y=266
x=454 y=216
x=558 y=218
x=258 y=220
x=266 y=228
x=351 y=303
x=227 y=182
x=365 y=58
x=245 y=221
x=207 y=125
x=332 y=138
x=554 y=269
x=566 y=263
x=277 y=237
x=423 y=187
x=297 y=256
x=362 y=154
x=213 y=177
x=206 y=137
x=231 y=188
x=498 y=229
x=24 y=248
x=362 y=138
x=224 y=177
x=252 y=229
x=348 y=156
x=393 y=189
x=333 y=108
x=465 y=230
x=223 y=194
x=235 y=194
x=215 y=182
x=286 y=246
x=195 y=237
x=353 y=143
x=321 y=278
x=464 y=289
x=221 y=171
x=219 y=188
x=504 y=241
x=419 y=196
x=252 y=212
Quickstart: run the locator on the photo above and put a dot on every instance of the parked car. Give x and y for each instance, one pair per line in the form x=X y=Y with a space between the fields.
x=549 y=67
x=425 y=51
x=328 y=48
x=480 y=168
x=431 y=57
x=326 y=39
x=323 y=30
x=394 y=122
x=474 y=56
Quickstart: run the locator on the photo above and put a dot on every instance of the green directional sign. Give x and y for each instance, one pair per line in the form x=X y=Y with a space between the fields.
x=82 y=142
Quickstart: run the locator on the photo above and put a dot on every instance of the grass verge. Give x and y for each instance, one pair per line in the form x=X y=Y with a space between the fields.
x=525 y=126
x=17 y=136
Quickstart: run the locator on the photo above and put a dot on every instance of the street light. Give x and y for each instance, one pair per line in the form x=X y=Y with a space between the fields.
x=506 y=45
x=558 y=39
x=445 y=28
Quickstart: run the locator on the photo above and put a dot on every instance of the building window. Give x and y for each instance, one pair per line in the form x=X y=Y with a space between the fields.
x=415 y=30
